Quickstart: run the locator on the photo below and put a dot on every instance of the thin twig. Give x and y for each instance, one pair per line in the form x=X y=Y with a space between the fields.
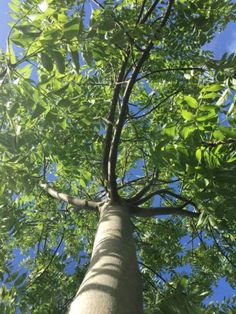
x=170 y=69
x=166 y=192
x=155 y=107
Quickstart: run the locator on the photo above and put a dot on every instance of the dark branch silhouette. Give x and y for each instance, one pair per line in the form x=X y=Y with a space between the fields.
x=160 y=211
x=111 y=117
x=149 y=11
x=165 y=192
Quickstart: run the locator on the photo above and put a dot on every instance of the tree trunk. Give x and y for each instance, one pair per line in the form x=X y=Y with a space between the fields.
x=112 y=284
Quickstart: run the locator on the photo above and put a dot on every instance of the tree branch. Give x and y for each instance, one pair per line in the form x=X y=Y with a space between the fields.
x=111 y=117
x=131 y=39
x=135 y=199
x=120 y=123
x=98 y=4
x=149 y=11
x=171 y=69
x=167 y=14
x=167 y=192
x=226 y=142
x=153 y=271
x=129 y=183
x=124 y=110
x=42 y=271
x=156 y=211
x=141 y=11
x=80 y=203
x=220 y=248
x=154 y=108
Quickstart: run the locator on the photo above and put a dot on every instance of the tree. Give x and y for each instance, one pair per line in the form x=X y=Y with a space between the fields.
x=114 y=117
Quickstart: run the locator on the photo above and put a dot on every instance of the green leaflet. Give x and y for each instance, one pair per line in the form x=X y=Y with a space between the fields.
x=47 y=62
x=75 y=59
x=187 y=115
x=191 y=101
x=60 y=61
x=187 y=131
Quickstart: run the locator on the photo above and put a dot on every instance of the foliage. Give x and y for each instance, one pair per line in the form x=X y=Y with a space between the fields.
x=58 y=79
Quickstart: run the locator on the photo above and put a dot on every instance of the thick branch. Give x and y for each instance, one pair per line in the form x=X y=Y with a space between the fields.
x=79 y=203
x=121 y=120
x=156 y=211
x=167 y=14
x=111 y=117
x=124 y=110
x=141 y=11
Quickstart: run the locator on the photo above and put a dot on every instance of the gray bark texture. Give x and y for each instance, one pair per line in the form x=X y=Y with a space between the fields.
x=112 y=284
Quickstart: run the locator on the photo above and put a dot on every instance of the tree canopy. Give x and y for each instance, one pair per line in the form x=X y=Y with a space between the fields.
x=117 y=99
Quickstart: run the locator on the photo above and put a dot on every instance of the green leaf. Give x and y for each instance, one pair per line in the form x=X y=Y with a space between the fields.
x=199 y=155
x=20 y=279
x=171 y=131
x=218 y=135
x=188 y=130
x=209 y=96
x=60 y=61
x=72 y=24
x=184 y=282
x=38 y=111
x=11 y=54
x=47 y=62
x=75 y=59
x=87 y=175
x=231 y=109
x=82 y=183
x=228 y=132
x=231 y=159
x=64 y=123
x=223 y=98
x=72 y=28
x=187 y=115
x=2 y=307
x=13 y=7
x=212 y=88
x=191 y=101
x=201 y=219
x=208 y=116
x=88 y=57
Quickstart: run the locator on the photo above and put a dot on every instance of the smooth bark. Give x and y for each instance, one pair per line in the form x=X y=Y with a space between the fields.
x=112 y=284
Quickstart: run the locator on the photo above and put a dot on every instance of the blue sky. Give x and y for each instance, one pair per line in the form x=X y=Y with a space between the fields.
x=224 y=42
x=4 y=19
